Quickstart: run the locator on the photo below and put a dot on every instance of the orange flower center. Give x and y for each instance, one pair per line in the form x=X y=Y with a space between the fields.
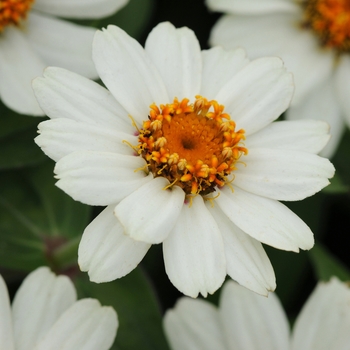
x=330 y=20
x=13 y=11
x=195 y=146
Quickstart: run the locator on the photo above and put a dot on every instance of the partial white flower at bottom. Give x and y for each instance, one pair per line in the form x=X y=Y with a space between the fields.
x=245 y=320
x=45 y=315
x=174 y=166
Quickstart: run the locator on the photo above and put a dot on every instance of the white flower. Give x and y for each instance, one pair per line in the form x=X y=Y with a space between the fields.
x=177 y=172
x=313 y=39
x=31 y=39
x=245 y=320
x=46 y=315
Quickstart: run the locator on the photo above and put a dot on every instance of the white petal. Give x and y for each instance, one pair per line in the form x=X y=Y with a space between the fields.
x=246 y=260
x=252 y=6
x=64 y=94
x=86 y=325
x=19 y=64
x=265 y=219
x=251 y=321
x=61 y=43
x=6 y=329
x=283 y=174
x=342 y=85
x=128 y=72
x=194 y=324
x=219 y=66
x=106 y=252
x=298 y=135
x=280 y=35
x=59 y=137
x=258 y=94
x=100 y=178
x=79 y=8
x=322 y=104
x=323 y=317
x=39 y=302
x=194 y=253
x=154 y=211
x=177 y=55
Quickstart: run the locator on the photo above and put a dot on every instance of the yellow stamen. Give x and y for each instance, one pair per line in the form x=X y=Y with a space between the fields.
x=195 y=146
x=330 y=20
x=12 y=12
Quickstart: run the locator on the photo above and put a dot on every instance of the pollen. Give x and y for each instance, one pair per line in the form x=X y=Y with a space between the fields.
x=330 y=21
x=13 y=11
x=193 y=145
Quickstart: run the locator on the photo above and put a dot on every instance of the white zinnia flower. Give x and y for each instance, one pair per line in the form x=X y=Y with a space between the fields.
x=176 y=171
x=31 y=39
x=313 y=39
x=46 y=315
x=247 y=321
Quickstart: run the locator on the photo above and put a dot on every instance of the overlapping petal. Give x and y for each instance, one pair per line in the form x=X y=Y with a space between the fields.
x=324 y=319
x=265 y=219
x=128 y=72
x=64 y=94
x=86 y=325
x=276 y=34
x=100 y=178
x=194 y=324
x=177 y=55
x=303 y=135
x=252 y=322
x=61 y=43
x=258 y=94
x=150 y=213
x=321 y=104
x=38 y=303
x=246 y=260
x=16 y=73
x=252 y=6
x=60 y=137
x=79 y=8
x=194 y=253
x=106 y=252
x=219 y=66
x=6 y=327
x=283 y=175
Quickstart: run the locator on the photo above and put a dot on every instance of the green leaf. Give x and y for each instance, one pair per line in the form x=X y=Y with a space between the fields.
x=140 y=320
x=326 y=265
x=39 y=224
x=291 y=273
x=17 y=135
x=337 y=186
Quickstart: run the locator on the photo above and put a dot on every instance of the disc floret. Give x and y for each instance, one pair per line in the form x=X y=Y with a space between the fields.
x=195 y=146
x=330 y=20
x=13 y=11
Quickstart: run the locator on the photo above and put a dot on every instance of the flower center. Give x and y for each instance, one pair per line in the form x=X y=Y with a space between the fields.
x=195 y=146
x=13 y=11
x=330 y=20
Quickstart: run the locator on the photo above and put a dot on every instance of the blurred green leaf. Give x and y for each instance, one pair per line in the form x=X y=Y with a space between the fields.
x=133 y=18
x=326 y=265
x=37 y=219
x=291 y=270
x=140 y=319
x=336 y=186
x=340 y=159
x=17 y=133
